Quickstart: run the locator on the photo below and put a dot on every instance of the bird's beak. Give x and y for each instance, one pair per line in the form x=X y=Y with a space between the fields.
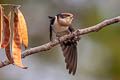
x=71 y=17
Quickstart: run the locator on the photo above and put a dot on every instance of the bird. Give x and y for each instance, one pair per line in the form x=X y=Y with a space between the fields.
x=61 y=24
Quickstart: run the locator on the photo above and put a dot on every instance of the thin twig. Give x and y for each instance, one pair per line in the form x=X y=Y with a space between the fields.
x=11 y=5
x=55 y=42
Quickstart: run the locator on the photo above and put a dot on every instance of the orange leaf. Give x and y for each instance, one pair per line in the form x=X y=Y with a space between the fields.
x=16 y=43
x=7 y=32
x=1 y=24
x=23 y=28
x=7 y=50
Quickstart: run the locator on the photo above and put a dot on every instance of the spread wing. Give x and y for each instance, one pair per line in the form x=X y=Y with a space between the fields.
x=52 y=19
x=69 y=49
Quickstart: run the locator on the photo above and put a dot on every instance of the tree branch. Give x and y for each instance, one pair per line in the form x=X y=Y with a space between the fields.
x=55 y=42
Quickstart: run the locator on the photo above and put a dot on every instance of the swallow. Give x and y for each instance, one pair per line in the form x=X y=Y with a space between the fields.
x=61 y=24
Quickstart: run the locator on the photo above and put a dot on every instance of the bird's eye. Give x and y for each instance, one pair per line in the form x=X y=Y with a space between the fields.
x=64 y=16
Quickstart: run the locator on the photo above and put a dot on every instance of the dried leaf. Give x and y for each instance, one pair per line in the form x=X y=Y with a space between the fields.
x=16 y=43
x=23 y=28
x=7 y=50
x=7 y=32
x=1 y=24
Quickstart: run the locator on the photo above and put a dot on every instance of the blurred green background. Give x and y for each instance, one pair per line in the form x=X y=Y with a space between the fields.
x=99 y=52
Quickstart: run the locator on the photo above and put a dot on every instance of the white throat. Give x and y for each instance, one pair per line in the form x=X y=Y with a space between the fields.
x=57 y=28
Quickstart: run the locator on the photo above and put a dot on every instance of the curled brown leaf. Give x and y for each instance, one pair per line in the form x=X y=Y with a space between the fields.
x=16 y=43
x=7 y=50
x=7 y=31
x=7 y=36
x=23 y=28
x=1 y=24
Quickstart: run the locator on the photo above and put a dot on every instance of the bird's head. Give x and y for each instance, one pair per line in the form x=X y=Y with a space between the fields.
x=65 y=19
